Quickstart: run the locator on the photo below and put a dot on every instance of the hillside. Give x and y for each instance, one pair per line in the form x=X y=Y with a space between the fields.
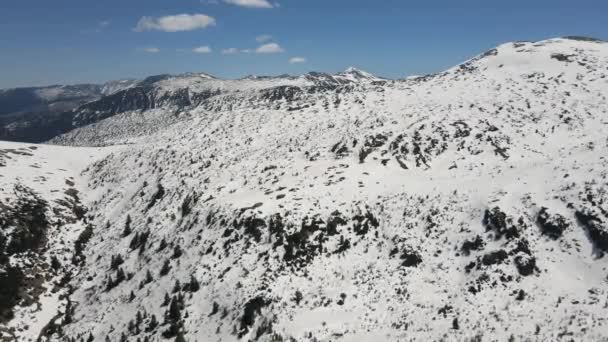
x=465 y=205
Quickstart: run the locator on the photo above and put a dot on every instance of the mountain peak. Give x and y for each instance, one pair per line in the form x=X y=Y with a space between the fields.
x=355 y=74
x=351 y=70
x=356 y=71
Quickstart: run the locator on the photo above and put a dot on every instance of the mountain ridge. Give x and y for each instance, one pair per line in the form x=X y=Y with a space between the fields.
x=465 y=205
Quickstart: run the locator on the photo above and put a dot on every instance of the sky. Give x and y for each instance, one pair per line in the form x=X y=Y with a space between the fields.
x=46 y=42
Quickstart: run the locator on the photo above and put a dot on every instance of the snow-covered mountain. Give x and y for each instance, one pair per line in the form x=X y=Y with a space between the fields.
x=162 y=100
x=469 y=205
x=40 y=114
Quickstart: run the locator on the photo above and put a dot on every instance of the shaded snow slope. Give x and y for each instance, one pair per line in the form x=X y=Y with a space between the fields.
x=42 y=215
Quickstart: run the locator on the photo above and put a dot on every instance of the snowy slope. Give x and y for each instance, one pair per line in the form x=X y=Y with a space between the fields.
x=466 y=205
x=42 y=214
x=158 y=101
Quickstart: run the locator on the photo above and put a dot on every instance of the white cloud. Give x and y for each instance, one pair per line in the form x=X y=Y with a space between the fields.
x=246 y=51
x=202 y=49
x=230 y=51
x=250 y=3
x=104 y=23
x=175 y=23
x=263 y=38
x=270 y=48
x=152 y=50
x=297 y=60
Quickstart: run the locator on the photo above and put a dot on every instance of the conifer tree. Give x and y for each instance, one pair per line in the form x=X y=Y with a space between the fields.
x=165 y=269
x=127 y=231
x=194 y=285
x=149 y=277
x=177 y=286
x=166 y=300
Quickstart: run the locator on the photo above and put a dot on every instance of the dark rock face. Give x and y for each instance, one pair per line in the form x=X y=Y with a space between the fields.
x=410 y=259
x=496 y=221
x=138 y=98
x=302 y=246
x=253 y=226
x=23 y=229
x=200 y=97
x=11 y=283
x=363 y=222
x=287 y=93
x=28 y=220
x=253 y=308
x=494 y=258
x=334 y=221
x=595 y=228
x=472 y=245
x=585 y=39
x=562 y=58
x=371 y=144
x=525 y=264
x=552 y=225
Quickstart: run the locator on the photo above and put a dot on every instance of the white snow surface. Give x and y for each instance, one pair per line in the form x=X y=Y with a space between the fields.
x=342 y=215
x=50 y=171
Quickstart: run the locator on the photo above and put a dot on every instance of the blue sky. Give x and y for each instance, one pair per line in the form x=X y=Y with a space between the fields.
x=79 y=41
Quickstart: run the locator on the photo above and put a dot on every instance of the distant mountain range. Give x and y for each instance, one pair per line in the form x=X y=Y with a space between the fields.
x=38 y=114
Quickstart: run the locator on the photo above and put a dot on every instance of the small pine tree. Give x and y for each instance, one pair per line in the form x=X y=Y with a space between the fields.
x=174 y=314
x=68 y=315
x=180 y=300
x=131 y=327
x=120 y=276
x=152 y=324
x=177 y=252
x=91 y=338
x=165 y=269
x=135 y=241
x=109 y=284
x=166 y=300
x=138 y=318
x=55 y=264
x=163 y=244
x=131 y=296
x=149 y=277
x=177 y=287
x=298 y=297
x=455 y=324
x=194 y=285
x=127 y=231
x=116 y=261
x=143 y=241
